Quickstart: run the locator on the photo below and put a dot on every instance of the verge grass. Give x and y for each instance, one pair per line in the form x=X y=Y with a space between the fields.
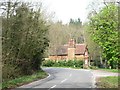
x=24 y=80
x=107 y=82
x=111 y=70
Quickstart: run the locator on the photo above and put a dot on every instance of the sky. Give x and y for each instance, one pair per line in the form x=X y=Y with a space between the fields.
x=66 y=9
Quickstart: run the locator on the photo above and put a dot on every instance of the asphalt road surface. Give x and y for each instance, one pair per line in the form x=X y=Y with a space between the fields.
x=64 y=78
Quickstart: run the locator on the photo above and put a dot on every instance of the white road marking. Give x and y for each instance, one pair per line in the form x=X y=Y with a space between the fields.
x=63 y=80
x=66 y=79
x=53 y=86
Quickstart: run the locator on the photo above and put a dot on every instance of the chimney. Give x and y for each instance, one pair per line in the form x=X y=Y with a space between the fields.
x=71 y=49
x=71 y=43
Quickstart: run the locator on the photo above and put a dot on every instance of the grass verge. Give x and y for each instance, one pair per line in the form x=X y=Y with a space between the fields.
x=105 y=69
x=23 y=80
x=107 y=82
x=111 y=70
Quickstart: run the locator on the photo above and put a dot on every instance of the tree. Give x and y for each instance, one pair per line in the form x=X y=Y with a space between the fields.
x=104 y=31
x=76 y=30
x=24 y=39
x=60 y=34
x=93 y=48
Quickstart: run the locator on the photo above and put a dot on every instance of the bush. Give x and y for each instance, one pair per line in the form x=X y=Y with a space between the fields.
x=78 y=63
x=63 y=63
x=93 y=67
x=9 y=72
x=48 y=63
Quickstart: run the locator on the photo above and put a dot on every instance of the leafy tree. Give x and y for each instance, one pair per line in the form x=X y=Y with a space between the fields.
x=104 y=31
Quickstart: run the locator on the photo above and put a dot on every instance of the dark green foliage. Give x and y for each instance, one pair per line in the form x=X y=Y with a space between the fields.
x=24 y=39
x=48 y=63
x=63 y=63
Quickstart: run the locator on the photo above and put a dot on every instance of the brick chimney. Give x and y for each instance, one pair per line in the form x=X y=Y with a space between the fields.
x=71 y=49
x=71 y=43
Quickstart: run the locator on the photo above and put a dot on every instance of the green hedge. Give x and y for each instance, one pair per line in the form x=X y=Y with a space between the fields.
x=63 y=63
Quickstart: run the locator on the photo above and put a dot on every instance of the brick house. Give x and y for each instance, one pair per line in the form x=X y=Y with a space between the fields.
x=71 y=51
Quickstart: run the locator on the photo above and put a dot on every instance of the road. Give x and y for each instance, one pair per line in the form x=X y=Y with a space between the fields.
x=64 y=78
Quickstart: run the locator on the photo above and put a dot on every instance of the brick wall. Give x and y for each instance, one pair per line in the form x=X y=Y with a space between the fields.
x=79 y=57
x=57 y=57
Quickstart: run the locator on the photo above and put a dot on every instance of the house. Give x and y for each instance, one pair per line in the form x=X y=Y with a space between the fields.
x=71 y=51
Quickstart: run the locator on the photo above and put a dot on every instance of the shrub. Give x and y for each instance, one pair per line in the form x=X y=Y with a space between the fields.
x=78 y=63
x=93 y=67
x=63 y=63
x=48 y=63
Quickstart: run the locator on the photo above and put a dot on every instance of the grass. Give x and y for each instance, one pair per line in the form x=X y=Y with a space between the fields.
x=105 y=69
x=23 y=80
x=107 y=82
x=111 y=70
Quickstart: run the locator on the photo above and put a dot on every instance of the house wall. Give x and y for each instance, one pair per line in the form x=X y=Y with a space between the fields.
x=52 y=57
x=79 y=57
x=57 y=57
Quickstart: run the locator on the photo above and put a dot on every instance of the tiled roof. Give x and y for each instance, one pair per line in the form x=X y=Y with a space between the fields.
x=79 y=49
x=62 y=50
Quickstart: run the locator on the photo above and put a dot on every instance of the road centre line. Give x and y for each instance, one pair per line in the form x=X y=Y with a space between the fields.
x=63 y=80
x=66 y=79
x=53 y=86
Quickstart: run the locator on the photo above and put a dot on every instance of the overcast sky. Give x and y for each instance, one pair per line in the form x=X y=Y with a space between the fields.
x=66 y=9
